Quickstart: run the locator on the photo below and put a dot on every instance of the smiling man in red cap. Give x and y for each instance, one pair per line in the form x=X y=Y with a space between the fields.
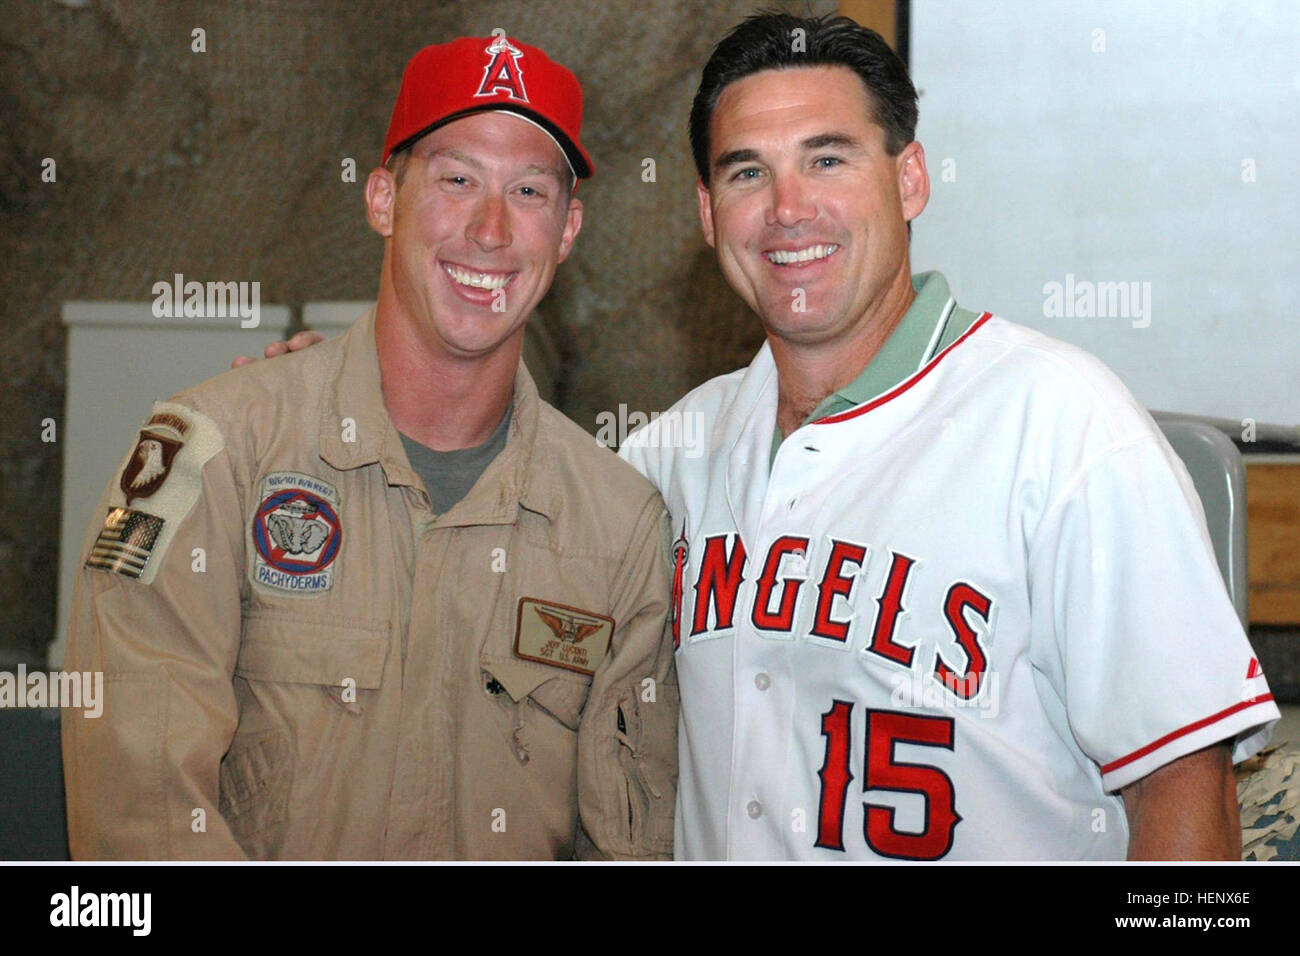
x=377 y=600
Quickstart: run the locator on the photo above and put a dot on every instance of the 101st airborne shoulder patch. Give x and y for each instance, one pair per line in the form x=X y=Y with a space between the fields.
x=165 y=470
x=562 y=636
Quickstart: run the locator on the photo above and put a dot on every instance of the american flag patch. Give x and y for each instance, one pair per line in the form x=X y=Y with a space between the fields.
x=125 y=542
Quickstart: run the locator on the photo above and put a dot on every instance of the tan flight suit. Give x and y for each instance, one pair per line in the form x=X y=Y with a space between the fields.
x=374 y=706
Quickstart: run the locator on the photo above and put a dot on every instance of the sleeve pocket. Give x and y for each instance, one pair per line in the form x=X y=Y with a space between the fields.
x=255 y=782
x=648 y=733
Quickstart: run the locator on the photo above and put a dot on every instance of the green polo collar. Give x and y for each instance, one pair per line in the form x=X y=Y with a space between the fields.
x=930 y=325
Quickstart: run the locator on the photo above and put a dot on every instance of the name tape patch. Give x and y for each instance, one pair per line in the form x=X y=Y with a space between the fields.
x=562 y=636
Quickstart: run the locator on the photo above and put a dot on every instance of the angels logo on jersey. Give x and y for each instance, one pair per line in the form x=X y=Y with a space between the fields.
x=680 y=547
x=503 y=74
x=779 y=597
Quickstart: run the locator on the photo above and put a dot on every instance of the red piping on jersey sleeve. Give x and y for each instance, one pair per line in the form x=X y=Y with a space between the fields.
x=1184 y=731
x=903 y=386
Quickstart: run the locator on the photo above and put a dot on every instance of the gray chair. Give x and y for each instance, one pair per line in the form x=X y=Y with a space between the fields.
x=1219 y=475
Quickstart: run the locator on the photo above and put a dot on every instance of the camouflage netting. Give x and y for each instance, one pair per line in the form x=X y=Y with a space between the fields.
x=226 y=165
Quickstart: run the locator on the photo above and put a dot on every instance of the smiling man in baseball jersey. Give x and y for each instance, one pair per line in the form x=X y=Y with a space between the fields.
x=377 y=600
x=942 y=590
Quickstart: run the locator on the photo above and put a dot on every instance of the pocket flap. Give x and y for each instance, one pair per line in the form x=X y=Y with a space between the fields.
x=560 y=693
x=298 y=651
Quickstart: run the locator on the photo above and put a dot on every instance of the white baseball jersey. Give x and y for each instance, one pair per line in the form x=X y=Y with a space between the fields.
x=948 y=623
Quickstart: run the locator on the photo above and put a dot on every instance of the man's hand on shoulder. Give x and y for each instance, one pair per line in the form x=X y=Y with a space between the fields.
x=1186 y=810
x=300 y=340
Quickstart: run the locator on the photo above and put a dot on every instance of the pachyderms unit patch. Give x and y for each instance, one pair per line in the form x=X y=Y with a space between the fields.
x=562 y=636
x=166 y=467
x=296 y=534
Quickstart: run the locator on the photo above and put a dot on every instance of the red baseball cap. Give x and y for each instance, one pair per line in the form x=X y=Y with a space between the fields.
x=445 y=82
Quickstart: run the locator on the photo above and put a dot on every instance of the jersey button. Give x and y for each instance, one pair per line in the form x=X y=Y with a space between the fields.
x=754 y=809
x=762 y=681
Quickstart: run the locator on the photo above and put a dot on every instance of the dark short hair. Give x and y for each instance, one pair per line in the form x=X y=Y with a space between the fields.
x=766 y=41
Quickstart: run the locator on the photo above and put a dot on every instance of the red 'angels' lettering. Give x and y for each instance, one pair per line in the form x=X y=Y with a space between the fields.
x=961 y=596
x=891 y=605
x=834 y=582
x=718 y=583
x=722 y=572
x=783 y=619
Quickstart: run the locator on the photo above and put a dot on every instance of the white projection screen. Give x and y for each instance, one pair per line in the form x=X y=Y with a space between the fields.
x=1148 y=150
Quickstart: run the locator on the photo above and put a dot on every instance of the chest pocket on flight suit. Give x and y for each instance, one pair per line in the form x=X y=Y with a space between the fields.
x=536 y=698
x=304 y=676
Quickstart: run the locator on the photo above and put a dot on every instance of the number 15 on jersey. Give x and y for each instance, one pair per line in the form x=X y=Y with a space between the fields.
x=882 y=771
